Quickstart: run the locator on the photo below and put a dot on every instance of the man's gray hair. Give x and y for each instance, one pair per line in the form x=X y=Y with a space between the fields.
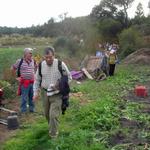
x=48 y=50
x=28 y=50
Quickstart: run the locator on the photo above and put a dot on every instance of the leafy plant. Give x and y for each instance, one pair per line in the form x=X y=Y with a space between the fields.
x=7 y=89
x=129 y=40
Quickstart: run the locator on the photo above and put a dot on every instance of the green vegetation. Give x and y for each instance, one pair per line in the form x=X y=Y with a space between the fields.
x=7 y=89
x=9 y=55
x=130 y=40
x=92 y=119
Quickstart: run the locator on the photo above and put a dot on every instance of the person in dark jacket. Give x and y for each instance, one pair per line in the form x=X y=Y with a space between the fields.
x=104 y=63
x=64 y=91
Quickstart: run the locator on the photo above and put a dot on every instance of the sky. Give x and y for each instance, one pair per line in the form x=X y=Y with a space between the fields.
x=25 y=13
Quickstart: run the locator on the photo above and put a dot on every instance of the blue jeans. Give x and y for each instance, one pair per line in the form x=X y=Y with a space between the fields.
x=27 y=96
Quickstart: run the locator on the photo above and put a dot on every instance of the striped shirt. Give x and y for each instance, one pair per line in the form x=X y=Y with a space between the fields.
x=50 y=75
x=27 y=69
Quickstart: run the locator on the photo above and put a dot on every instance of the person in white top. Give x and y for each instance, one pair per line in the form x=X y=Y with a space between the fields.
x=47 y=81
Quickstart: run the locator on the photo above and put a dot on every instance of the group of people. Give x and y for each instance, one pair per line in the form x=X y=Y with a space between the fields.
x=33 y=79
x=109 y=60
x=45 y=78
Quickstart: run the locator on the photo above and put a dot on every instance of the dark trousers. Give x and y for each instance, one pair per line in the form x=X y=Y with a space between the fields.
x=111 y=69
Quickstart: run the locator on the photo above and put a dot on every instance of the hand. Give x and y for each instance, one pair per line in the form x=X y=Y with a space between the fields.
x=18 y=79
x=53 y=87
x=35 y=98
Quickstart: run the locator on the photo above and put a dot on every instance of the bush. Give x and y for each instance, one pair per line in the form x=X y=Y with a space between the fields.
x=70 y=46
x=60 y=42
x=130 y=40
x=7 y=89
x=109 y=28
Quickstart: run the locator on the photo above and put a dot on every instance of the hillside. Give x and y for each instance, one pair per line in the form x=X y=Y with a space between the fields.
x=141 y=56
x=102 y=116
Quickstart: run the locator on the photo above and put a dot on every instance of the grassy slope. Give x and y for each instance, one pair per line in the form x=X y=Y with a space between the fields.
x=88 y=126
x=8 y=56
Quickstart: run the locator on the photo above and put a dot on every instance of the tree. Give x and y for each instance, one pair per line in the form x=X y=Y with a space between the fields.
x=120 y=16
x=109 y=9
x=63 y=16
x=109 y=29
x=139 y=12
x=139 y=19
x=126 y=4
x=106 y=9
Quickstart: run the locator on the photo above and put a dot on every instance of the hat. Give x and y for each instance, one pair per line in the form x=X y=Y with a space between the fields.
x=28 y=50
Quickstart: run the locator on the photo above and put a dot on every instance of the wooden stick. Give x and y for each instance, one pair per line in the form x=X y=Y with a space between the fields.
x=7 y=110
x=2 y=121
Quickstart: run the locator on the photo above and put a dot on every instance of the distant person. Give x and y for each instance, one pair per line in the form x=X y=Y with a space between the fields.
x=47 y=78
x=114 y=47
x=99 y=50
x=25 y=69
x=112 y=62
x=104 y=63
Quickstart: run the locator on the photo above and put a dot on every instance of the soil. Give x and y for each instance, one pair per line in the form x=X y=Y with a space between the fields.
x=5 y=133
x=141 y=56
x=131 y=138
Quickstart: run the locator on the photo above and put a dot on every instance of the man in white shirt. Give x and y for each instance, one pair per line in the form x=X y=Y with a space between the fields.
x=47 y=80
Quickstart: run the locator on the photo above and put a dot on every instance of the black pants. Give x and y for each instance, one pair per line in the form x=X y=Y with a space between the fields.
x=111 y=69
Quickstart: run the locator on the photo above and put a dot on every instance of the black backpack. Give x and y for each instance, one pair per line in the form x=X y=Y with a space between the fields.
x=19 y=66
x=64 y=91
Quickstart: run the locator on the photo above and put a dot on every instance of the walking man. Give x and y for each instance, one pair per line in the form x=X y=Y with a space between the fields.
x=47 y=77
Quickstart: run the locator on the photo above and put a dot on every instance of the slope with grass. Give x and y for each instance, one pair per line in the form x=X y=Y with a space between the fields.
x=101 y=116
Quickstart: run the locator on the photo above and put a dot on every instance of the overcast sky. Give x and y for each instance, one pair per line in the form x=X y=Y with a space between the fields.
x=25 y=13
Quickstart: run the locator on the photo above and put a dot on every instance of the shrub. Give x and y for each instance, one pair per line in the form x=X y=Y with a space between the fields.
x=7 y=89
x=60 y=42
x=71 y=46
x=130 y=40
x=109 y=28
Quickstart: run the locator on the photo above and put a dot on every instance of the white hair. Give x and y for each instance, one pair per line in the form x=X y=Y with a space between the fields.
x=28 y=50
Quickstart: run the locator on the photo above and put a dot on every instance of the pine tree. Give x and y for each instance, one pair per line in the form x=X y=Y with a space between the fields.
x=139 y=12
